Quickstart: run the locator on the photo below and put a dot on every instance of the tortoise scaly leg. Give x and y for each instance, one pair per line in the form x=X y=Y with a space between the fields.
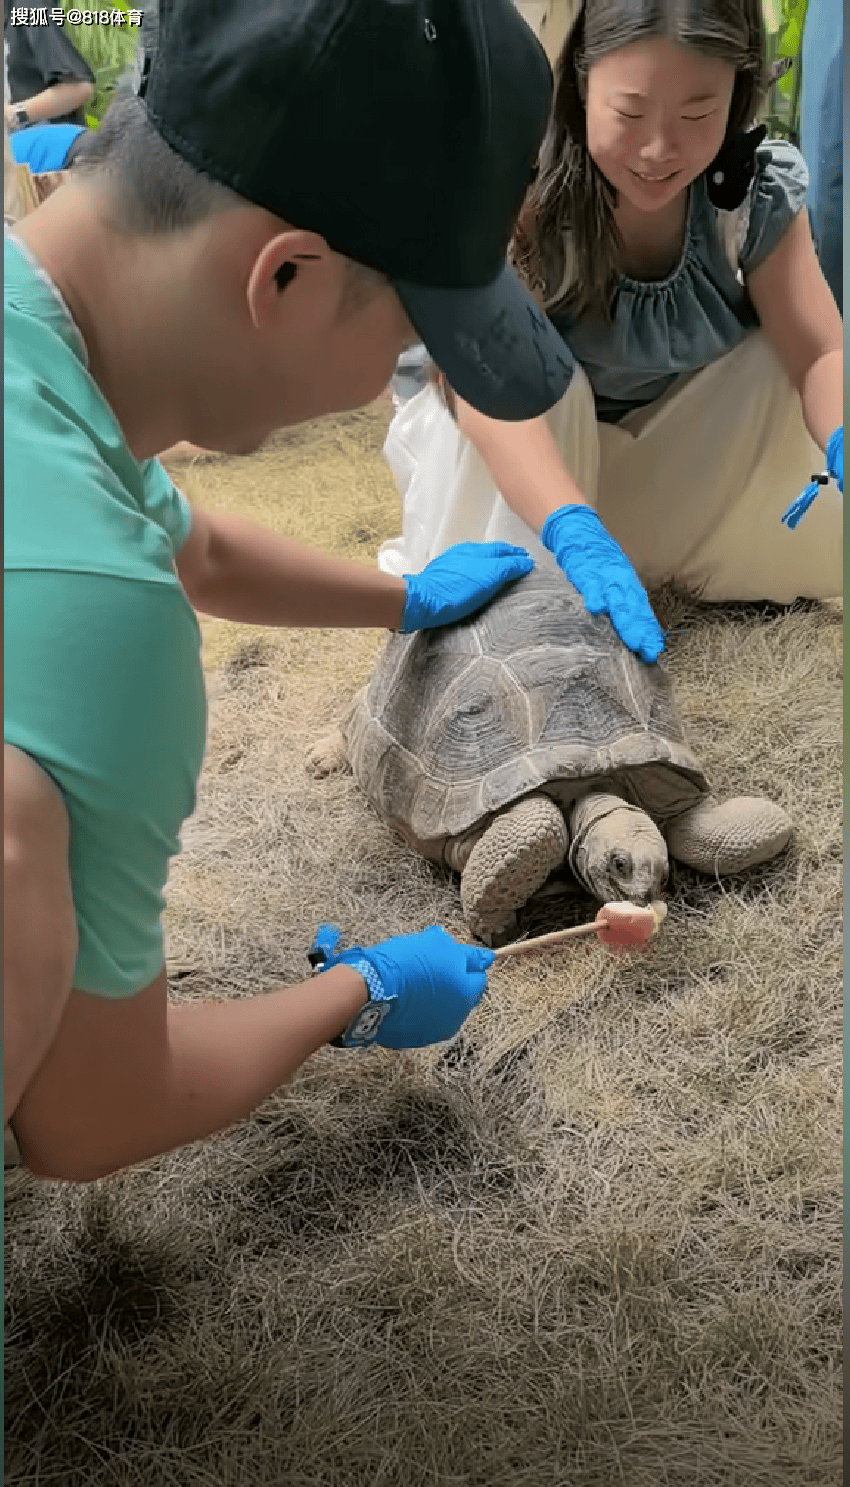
x=520 y=848
x=729 y=837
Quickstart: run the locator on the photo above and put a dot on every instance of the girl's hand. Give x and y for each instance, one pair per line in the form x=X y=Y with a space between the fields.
x=603 y=575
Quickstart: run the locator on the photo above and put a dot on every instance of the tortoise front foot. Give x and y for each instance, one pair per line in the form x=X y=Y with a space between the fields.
x=729 y=837
x=327 y=755
x=515 y=855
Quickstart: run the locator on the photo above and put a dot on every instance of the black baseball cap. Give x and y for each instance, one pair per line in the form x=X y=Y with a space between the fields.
x=405 y=133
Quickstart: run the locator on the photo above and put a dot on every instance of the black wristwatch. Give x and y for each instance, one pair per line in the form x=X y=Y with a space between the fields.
x=22 y=118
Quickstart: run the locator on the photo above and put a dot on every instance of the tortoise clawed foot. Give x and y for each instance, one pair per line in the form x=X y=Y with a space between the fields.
x=515 y=855
x=729 y=837
x=327 y=755
x=502 y=934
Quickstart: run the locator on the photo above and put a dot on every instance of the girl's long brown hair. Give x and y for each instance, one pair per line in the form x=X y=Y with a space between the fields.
x=566 y=245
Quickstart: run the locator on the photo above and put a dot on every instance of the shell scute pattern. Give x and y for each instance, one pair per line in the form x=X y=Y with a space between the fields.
x=532 y=693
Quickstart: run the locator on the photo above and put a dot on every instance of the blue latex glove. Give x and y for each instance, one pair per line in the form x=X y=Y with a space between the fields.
x=421 y=987
x=459 y=581
x=603 y=575
x=835 y=467
x=835 y=457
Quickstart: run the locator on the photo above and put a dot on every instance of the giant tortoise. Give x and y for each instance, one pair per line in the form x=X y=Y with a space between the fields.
x=529 y=734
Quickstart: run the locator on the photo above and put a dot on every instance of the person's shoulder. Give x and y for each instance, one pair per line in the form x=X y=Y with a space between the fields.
x=776 y=196
x=770 y=190
x=779 y=161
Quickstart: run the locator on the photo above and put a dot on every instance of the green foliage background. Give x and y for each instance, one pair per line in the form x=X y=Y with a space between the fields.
x=110 y=51
x=784 y=20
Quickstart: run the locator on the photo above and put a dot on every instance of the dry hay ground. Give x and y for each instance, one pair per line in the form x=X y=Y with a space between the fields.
x=595 y=1242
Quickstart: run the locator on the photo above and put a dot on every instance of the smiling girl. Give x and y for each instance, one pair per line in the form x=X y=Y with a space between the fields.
x=668 y=242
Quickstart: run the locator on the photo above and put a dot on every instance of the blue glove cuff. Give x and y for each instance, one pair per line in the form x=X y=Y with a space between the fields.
x=324 y=945
x=548 y=531
x=413 y=613
x=834 y=446
x=363 y=1027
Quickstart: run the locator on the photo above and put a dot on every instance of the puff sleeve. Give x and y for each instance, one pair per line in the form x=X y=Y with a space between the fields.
x=777 y=195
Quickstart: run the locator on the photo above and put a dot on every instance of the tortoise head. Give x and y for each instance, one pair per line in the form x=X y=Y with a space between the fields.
x=616 y=850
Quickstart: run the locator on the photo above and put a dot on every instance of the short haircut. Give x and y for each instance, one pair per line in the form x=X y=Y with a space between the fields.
x=154 y=190
x=76 y=148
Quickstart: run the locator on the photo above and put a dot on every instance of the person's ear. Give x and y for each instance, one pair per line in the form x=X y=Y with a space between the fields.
x=283 y=259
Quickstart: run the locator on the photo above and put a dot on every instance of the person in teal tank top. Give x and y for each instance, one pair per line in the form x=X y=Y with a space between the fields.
x=196 y=281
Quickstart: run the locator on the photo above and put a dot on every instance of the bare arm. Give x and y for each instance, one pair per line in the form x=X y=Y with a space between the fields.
x=53 y=102
x=237 y=570
x=39 y=924
x=802 y=323
x=94 y=1083
x=524 y=461
x=127 y=1079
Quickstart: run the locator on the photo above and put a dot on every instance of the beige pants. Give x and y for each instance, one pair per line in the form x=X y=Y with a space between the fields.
x=692 y=487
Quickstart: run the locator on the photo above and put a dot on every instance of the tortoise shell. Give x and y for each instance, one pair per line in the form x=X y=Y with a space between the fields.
x=531 y=693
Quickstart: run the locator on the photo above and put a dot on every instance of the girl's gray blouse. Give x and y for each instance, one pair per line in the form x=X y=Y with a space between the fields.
x=663 y=328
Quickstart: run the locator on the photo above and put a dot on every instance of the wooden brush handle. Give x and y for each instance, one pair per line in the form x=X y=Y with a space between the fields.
x=520 y=946
x=622 y=936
